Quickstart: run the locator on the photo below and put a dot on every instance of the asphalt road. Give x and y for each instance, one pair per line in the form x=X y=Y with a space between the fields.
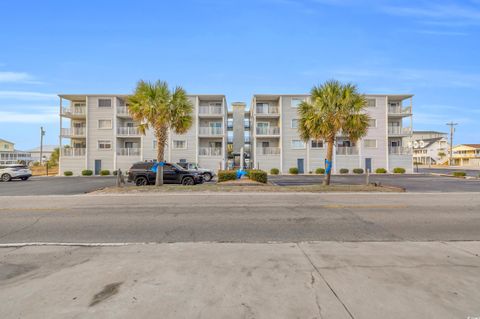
x=240 y=217
x=411 y=182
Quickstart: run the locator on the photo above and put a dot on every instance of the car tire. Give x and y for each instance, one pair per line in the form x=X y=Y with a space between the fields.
x=207 y=177
x=24 y=178
x=141 y=181
x=6 y=177
x=188 y=181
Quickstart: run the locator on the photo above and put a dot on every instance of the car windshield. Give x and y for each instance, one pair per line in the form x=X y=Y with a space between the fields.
x=178 y=167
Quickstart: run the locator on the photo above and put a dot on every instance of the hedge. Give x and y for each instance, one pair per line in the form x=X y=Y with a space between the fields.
x=258 y=176
x=293 y=170
x=104 y=172
x=320 y=170
x=343 y=170
x=399 y=170
x=274 y=171
x=87 y=172
x=381 y=171
x=358 y=170
x=459 y=174
x=227 y=176
x=68 y=173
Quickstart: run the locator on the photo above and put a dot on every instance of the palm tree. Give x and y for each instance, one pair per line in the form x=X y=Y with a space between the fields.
x=159 y=109
x=334 y=108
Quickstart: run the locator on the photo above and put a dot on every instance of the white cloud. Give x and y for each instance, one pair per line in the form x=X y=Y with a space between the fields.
x=17 y=117
x=17 y=77
x=24 y=95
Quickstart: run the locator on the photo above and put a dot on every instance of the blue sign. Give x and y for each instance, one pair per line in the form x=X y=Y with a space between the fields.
x=156 y=165
x=328 y=166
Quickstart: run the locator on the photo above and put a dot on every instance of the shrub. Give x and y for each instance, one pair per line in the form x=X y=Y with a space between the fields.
x=87 y=172
x=115 y=173
x=358 y=170
x=343 y=170
x=293 y=170
x=399 y=170
x=459 y=174
x=227 y=176
x=104 y=172
x=274 y=171
x=68 y=173
x=381 y=171
x=320 y=170
x=258 y=176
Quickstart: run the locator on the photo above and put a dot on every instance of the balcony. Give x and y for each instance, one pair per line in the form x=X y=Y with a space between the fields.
x=399 y=111
x=128 y=151
x=128 y=131
x=73 y=132
x=268 y=151
x=268 y=131
x=73 y=152
x=210 y=151
x=347 y=150
x=399 y=131
x=267 y=110
x=210 y=131
x=122 y=111
x=74 y=111
x=210 y=110
x=399 y=150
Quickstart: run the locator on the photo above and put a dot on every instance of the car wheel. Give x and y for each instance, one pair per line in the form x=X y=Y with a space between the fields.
x=188 y=181
x=24 y=178
x=207 y=177
x=6 y=178
x=141 y=181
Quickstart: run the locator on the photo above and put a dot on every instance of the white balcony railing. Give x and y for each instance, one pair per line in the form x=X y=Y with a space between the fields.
x=73 y=152
x=267 y=109
x=74 y=111
x=128 y=131
x=399 y=150
x=268 y=150
x=73 y=132
x=122 y=110
x=399 y=130
x=210 y=151
x=128 y=151
x=268 y=131
x=398 y=110
x=210 y=131
x=210 y=110
x=347 y=150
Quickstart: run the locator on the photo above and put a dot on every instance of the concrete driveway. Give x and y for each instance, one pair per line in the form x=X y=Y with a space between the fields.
x=55 y=185
x=411 y=182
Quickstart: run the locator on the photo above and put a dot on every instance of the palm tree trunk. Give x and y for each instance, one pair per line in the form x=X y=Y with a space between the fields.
x=326 y=178
x=161 y=134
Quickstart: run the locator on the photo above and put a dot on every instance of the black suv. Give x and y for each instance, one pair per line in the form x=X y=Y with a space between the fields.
x=141 y=174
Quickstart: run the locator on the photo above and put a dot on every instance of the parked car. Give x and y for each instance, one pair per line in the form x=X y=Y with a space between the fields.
x=141 y=174
x=14 y=171
x=207 y=174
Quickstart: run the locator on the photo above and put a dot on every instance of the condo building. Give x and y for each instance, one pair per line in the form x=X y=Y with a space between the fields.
x=98 y=133
x=276 y=142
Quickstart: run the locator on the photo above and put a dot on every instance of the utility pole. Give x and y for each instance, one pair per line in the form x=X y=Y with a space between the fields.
x=42 y=134
x=452 y=130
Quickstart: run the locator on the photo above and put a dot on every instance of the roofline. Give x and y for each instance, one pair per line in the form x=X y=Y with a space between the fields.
x=368 y=94
x=62 y=95
x=1 y=139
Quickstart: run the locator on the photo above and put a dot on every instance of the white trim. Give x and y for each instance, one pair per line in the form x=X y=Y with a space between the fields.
x=291 y=123
x=297 y=99
x=104 y=128
x=105 y=142
x=373 y=126
x=370 y=139
x=114 y=126
x=103 y=98
x=297 y=148
x=179 y=148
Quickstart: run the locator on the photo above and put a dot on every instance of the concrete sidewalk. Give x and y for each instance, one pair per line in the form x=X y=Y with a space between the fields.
x=214 y=280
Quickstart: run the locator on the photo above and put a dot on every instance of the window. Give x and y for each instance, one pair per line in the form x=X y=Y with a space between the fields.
x=296 y=102
x=372 y=123
x=298 y=144
x=317 y=144
x=371 y=102
x=295 y=123
x=104 y=102
x=104 y=124
x=370 y=143
x=104 y=145
x=179 y=144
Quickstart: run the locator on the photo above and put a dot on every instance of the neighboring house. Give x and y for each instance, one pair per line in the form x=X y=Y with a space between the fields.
x=276 y=142
x=47 y=151
x=430 y=147
x=101 y=134
x=466 y=155
x=9 y=155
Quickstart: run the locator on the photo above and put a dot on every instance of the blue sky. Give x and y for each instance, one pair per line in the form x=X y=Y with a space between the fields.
x=238 y=48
